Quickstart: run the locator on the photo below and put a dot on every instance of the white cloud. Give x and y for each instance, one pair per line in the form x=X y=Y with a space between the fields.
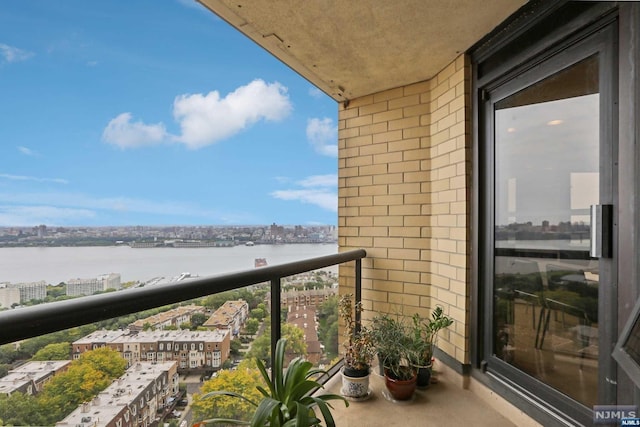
x=32 y=178
x=27 y=151
x=92 y=63
x=124 y=133
x=207 y=119
x=115 y=204
x=316 y=93
x=329 y=180
x=13 y=54
x=323 y=198
x=22 y=216
x=323 y=136
x=319 y=190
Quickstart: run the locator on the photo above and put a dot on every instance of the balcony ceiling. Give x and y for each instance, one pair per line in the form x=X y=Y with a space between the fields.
x=351 y=48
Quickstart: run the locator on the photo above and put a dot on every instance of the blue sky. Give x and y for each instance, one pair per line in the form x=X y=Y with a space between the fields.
x=155 y=112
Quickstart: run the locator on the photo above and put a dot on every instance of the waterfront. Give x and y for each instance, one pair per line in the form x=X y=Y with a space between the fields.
x=59 y=264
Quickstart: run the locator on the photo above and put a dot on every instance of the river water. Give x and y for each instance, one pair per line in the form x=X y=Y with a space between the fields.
x=59 y=264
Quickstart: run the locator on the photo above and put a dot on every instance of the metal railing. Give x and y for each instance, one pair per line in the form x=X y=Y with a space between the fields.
x=27 y=322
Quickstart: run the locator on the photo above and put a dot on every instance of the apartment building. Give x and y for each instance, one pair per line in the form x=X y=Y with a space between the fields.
x=8 y=296
x=304 y=317
x=312 y=297
x=28 y=291
x=231 y=316
x=136 y=399
x=171 y=318
x=192 y=350
x=32 y=376
x=78 y=287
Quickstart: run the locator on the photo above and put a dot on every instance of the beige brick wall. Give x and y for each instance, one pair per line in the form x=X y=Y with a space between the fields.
x=404 y=184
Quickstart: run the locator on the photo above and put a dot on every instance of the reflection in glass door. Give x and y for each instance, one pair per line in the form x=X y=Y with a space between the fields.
x=545 y=284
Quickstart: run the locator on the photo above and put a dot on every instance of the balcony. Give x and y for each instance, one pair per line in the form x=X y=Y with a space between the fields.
x=445 y=403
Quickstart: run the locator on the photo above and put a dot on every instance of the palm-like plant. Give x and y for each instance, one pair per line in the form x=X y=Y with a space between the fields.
x=287 y=402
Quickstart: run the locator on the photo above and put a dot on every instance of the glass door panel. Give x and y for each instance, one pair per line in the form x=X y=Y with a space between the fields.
x=547 y=174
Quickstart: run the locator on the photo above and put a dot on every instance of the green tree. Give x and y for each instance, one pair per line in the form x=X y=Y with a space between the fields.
x=57 y=351
x=296 y=345
x=328 y=326
x=85 y=378
x=18 y=409
x=198 y=320
x=243 y=380
x=257 y=313
x=235 y=347
x=251 y=327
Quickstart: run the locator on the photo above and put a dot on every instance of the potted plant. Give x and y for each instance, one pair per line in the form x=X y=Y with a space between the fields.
x=424 y=334
x=393 y=342
x=358 y=351
x=384 y=328
x=287 y=400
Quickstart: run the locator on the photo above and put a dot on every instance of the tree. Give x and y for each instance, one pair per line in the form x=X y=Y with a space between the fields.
x=20 y=409
x=57 y=351
x=328 y=325
x=198 y=319
x=236 y=346
x=243 y=380
x=257 y=313
x=85 y=378
x=296 y=345
x=251 y=327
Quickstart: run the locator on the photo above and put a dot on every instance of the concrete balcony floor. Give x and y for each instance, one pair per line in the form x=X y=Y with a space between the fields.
x=446 y=403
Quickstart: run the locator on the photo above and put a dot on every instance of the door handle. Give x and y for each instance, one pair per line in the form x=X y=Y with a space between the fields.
x=601 y=242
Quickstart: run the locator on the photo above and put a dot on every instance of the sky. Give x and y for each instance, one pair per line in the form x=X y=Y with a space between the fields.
x=155 y=112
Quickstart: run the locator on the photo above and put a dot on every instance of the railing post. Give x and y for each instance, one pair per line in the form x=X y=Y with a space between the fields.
x=276 y=329
x=358 y=290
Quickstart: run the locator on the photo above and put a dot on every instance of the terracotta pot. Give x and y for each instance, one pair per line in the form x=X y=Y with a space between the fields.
x=400 y=389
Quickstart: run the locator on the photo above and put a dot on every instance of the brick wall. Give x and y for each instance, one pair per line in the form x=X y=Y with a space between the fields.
x=404 y=190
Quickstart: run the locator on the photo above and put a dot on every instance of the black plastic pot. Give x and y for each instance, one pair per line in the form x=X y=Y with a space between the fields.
x=355 y=373
x=424 y=376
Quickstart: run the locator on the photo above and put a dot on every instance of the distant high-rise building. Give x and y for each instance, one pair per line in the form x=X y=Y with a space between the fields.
x=78 y=287
x=8 y=296
x=30 y=291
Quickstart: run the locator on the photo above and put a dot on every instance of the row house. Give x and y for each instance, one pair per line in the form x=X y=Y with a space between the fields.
x=172 y=318
x=190 y=349
x=133 y=400
x=31 y=377
x=304 y=317
x=230 y=316
x=313 y=297
x=97 y=339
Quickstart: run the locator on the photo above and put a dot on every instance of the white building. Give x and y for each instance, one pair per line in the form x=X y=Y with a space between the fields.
x=31 y=377
x=78 y=287
x=30 y=291
x=8 y=296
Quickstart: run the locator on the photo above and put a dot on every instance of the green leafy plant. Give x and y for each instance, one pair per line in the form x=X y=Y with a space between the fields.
x=287 y=402
x=424 y=334
x=394 y=345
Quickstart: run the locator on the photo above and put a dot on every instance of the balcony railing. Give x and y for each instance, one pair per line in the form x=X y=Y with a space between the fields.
x=23 y=323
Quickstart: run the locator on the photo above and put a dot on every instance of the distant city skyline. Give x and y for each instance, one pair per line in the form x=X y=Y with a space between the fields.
x=155 y=113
